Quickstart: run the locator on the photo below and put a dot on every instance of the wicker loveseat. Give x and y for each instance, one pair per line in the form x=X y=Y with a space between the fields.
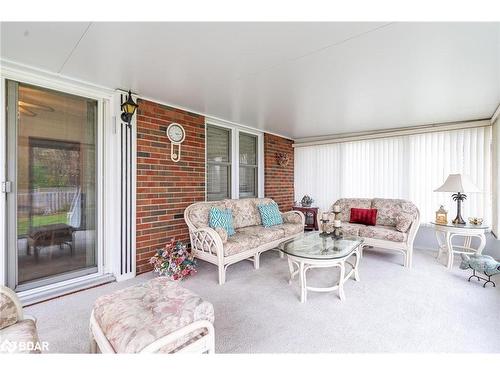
x=384 y=235
x=251 y=238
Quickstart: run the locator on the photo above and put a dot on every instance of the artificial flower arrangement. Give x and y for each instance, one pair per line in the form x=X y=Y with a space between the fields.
x=174 y=261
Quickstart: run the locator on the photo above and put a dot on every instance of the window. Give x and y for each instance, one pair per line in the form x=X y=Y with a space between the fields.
x=218 y=163
x=248 y=165
x=407 y=167
x=234 y=163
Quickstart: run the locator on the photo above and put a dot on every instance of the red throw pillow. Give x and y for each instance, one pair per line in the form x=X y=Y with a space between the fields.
x=367 y=216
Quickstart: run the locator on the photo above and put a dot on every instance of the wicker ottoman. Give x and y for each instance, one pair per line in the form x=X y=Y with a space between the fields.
x=156 y=317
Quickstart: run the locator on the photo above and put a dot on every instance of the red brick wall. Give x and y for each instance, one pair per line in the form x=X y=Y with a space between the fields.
x=165 y=188
x=278 y=180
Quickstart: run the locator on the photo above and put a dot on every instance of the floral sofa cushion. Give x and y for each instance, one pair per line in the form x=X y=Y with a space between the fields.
x=246 y=212
x=291 y=228
x=347 y=203
x=8 y=311
x=240 y=242
x=200 y=214
x=251 y=237
x=134 y=317
x=24 y=331
x=382 y=232
x=389 y=210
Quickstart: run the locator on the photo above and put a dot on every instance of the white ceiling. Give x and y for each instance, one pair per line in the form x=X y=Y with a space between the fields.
x=295 y=79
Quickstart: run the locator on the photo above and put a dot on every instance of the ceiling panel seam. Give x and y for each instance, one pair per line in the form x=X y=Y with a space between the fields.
x=75 y=47
x=319 y=49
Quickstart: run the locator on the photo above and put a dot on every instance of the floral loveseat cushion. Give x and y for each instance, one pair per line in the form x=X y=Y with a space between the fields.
x=388 y=212
x=134 y=317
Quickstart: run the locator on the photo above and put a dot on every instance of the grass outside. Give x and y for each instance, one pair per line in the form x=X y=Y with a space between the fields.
x=39 y=220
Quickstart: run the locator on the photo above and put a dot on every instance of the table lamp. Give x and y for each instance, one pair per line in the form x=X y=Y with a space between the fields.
x=458 y=184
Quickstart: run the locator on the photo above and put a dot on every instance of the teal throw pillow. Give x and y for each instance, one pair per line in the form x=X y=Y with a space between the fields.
x=270 y=214
x=221 y=218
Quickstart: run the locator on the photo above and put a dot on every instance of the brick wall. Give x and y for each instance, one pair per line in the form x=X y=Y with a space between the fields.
x=278 y=180
x=165 y=188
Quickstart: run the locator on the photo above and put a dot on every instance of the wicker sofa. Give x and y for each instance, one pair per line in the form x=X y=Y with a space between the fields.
x=384 y=234
x=251 y=238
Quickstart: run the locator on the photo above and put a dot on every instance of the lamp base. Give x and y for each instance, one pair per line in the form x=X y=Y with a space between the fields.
x=458 y=221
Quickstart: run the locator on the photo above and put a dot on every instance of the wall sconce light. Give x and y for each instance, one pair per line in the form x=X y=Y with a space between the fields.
x=128 y=108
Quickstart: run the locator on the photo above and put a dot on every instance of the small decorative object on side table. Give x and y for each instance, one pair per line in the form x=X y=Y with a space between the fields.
x=306 y=201
x=174 y=261
x=310 y=214
x=441 y=216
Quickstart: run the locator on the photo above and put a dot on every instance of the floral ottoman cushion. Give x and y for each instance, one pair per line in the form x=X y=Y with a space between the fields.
x=134 y=317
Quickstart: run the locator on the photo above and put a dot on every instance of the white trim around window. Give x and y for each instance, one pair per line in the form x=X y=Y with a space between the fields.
x=235 y=133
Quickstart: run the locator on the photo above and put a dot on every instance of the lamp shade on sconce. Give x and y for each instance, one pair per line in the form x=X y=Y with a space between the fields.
x=458 y=183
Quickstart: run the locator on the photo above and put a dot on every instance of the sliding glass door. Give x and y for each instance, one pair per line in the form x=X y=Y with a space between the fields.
x=52 y=175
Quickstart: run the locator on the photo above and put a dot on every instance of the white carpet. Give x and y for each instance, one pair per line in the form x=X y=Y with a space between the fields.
x=392 y=309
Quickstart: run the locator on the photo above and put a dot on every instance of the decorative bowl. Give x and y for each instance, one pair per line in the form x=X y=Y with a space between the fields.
x=475 y=220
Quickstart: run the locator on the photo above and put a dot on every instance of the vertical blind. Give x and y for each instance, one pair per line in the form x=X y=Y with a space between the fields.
x=218 y=163
x=408 y=167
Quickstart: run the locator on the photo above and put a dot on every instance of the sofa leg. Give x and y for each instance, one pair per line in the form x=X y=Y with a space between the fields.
x=256 y=261
x=222 y=274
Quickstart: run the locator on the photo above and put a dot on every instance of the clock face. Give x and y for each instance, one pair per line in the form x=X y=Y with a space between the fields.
x=175 y=133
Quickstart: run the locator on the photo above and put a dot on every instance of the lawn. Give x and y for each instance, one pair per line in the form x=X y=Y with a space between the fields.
x=38 y=220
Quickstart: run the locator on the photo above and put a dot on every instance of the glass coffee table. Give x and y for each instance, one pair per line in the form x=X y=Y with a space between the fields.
x=311 y=250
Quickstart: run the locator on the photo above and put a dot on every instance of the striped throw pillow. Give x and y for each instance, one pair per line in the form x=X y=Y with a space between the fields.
x=221 y=218
x=270 y=214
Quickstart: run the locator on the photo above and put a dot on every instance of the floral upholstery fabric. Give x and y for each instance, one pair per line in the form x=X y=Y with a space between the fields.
x=240 y=242
x=403 y=222
x=222 y=233
x=389 y=210
x=199 y=213
x=347 y=203
x=382 y=232
x=291 y=228
x=21 y=337
x=8 y=311
x=291 y=217
x=134 y=317
x=245 y=211
x=264 y=234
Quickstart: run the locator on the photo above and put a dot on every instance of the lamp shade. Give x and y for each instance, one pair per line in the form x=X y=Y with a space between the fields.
x=458 y=183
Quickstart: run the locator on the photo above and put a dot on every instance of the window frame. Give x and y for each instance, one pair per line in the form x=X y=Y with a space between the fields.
x=235 y=156
x=222 y=163
x=254 y=167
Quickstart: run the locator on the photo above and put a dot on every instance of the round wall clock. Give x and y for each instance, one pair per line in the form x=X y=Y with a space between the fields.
x=176 y=134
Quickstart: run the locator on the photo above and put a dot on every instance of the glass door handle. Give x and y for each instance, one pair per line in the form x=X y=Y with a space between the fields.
x=7 y=187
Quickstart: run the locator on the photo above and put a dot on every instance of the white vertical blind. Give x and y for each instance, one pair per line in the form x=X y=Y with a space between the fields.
x=409 y=167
